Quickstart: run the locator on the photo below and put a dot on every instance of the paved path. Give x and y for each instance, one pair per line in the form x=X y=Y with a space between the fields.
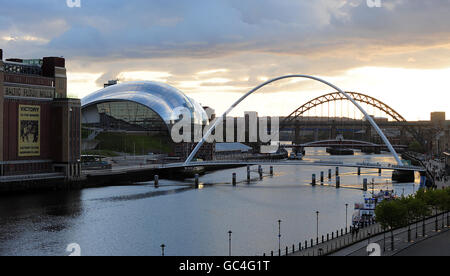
x=400 y=239
x=438 y=245
x=343 y=240
x=352 y=245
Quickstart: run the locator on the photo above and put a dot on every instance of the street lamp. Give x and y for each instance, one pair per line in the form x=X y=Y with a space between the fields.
x=229 y=242
x=279 y=237
x=346 y=216
x=317 y=229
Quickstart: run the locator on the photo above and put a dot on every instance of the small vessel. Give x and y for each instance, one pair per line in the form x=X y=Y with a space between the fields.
x=365 y=212
x=340 y=151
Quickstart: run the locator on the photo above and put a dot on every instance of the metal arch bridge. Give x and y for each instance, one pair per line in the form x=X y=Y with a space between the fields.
x=339 y=95
x=336 y=96
x=344 y=94
x=292 y=163
x=357 y=97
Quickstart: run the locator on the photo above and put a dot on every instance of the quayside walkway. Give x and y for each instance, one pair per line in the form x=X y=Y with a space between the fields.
x=356 y=245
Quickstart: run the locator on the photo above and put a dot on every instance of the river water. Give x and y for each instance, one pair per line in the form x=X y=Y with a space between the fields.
x=136 y=220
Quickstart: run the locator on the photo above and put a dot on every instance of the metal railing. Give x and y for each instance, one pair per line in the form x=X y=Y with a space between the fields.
x=344 y=238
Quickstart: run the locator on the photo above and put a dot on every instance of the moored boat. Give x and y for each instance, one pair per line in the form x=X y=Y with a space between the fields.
x=365 y=212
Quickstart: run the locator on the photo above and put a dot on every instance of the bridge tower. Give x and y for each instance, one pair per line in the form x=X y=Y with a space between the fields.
x=368 y=135
x=297 y=133
x=316 y=134
x=333 y=130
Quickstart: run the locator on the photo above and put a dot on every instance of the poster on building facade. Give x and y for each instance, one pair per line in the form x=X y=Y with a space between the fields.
x=29 y=130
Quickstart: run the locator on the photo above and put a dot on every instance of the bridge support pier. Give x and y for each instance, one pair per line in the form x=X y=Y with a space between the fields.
x=338 y=182
x=197 y=182
x=156 y=181
x=365 y=185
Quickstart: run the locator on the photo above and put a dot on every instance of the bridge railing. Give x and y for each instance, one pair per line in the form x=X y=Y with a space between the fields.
x=329 y=162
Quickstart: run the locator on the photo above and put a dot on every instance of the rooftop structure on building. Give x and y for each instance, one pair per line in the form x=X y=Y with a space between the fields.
x=40 y=130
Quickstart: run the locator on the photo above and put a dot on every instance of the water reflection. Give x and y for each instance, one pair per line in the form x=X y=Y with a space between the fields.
x=26 y=218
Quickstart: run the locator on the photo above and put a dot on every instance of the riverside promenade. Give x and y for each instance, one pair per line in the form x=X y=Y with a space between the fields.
x=434 y=227
x=427 y=232
x=438 y=170
x=336 y=241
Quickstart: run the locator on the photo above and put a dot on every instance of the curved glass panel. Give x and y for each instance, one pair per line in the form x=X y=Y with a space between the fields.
x=128 y=115
x=159 y=97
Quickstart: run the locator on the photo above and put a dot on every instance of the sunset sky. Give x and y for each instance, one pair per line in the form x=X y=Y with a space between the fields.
x=215 y=50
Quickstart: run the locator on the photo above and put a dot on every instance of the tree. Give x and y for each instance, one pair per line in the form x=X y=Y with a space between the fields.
x=432 y=200
x=443 y=199
x=391 y=214
x=416 y=147
x=416 y=209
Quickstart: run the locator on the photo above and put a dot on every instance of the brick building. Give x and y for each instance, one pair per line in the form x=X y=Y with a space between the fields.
x=40 y=126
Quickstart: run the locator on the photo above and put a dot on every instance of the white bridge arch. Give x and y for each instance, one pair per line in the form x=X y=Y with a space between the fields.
x=367 y=116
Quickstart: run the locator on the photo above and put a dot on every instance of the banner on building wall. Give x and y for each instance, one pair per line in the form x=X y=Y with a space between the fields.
x=29 y=130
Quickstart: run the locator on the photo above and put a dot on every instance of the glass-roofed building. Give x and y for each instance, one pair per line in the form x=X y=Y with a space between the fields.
x=146 y=109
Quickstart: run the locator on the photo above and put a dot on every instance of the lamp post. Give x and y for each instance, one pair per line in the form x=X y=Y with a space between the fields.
x=279 y=237
x=317 y=228
x=229 y=242
x=346 y=216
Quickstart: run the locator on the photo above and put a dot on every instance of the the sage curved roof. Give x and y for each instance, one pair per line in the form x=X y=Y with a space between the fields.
x=159 y=97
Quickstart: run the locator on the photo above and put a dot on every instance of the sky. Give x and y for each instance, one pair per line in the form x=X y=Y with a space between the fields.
x=216 y=50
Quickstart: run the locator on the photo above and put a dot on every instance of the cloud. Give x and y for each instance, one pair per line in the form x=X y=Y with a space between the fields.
x=236 y=42
x=205 y=29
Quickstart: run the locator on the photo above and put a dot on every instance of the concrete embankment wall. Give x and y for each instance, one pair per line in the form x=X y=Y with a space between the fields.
x=92 y=179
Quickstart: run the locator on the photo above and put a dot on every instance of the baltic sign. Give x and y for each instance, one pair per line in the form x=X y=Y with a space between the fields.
x=17 y=91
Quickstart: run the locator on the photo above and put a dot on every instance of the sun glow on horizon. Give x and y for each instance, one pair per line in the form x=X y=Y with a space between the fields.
x=413 y=93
